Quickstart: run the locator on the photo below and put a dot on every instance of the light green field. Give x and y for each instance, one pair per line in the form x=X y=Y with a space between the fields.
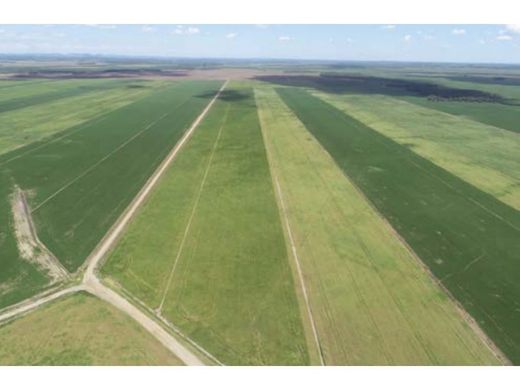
x=79 y=330
x=15 y=89
x=30 y=124
x=482 y=155
x=507 y=91
x=372 y=302
x=207 y=249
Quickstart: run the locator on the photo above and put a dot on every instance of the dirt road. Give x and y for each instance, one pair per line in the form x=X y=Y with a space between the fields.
x=114 y=233
x=30 y=305
x=93 y=285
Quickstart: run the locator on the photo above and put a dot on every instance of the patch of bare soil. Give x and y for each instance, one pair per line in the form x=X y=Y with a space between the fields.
x=29 y=246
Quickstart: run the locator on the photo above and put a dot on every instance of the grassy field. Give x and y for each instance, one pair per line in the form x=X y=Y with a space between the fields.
x=208 y=250
x=498 y=115
x=79 y=330
x=484 y=156
x=30 y=124
x=15 y=89
x=466 y=237
x=61 y=90
x=371 y=300
x=80 y=180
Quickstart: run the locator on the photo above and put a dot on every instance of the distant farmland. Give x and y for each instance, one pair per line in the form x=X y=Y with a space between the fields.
x=483 y=155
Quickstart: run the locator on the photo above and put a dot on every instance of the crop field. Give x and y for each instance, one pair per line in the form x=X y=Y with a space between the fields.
x=484 y=156
x=32 y=123
x=504 y=116
x=60 y=90
x=356 y=271
x=207 y=250
x=211 y=212
x=467 y=238
x=501 y=116
x=79 y=330
x=77 y=186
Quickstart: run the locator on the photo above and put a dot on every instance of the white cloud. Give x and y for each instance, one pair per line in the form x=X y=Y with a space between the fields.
x=263 y=26
x=103 y=26
x=407 y=38
x=284 y=38
x=181 y=30
x=231 y=35
x=428 y=37
x=504 y=37
x=458 y=31
x=148 y=29
x=515 y=28
x=388 y=27
x=482 y=41
x=349 y=40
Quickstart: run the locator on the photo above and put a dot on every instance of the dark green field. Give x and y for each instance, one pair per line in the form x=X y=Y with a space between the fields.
x=80 y=180
x=498 y=115
x=465 y=236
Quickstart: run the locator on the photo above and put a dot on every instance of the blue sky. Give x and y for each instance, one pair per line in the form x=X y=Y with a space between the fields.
x=445 y=43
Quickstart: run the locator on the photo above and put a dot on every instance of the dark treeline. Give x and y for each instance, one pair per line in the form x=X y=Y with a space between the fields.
x=341 y=83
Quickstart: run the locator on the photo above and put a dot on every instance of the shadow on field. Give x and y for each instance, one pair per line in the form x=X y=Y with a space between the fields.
x=230 y=95
x=358 y=84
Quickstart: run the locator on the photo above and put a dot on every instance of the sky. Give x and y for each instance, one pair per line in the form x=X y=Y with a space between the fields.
x=430 y=43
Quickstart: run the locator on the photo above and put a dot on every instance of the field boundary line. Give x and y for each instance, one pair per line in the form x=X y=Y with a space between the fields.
x=283 y=212
x=99 y=162
x=117 y=287
x=468 y=318
x=298 y=268
x=192 y=214
x=64 y=133
x=96 y=288
x=31 y=304
x=192 y=342
x=432 y=174
x=115 y=231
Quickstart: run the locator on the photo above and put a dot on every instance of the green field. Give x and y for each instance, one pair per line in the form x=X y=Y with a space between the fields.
x=466 y=237
x=208 y=250
x=79 y=330
x=356 y=270
x=30 y=124
x=498 y=115
x=332 y=213
x=61 y=90
x=484 y=156
x=79 y=180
